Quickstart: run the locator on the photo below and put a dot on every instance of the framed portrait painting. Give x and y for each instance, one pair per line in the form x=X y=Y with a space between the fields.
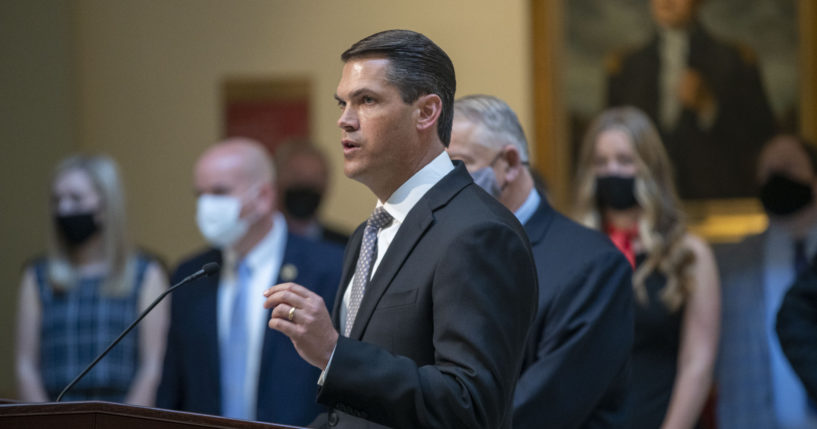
x=718 y=78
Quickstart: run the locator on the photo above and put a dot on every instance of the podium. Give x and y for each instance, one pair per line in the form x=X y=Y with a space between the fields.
x=109 y=415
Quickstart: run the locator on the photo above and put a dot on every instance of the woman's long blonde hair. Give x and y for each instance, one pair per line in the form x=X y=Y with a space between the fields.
x=104 y=175
x=662 y=227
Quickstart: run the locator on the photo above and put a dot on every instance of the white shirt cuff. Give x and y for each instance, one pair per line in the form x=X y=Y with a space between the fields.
x=322 y=378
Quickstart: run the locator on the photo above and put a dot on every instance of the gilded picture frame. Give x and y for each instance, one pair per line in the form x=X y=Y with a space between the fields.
x=554 y=138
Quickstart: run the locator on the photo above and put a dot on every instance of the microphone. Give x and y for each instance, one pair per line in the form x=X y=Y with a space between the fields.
x=208 y=269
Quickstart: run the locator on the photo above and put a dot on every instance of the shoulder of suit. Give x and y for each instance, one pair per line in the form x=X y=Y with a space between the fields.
x=193 y=263
x=315 y=248
x=593 y=243
x=737 y=253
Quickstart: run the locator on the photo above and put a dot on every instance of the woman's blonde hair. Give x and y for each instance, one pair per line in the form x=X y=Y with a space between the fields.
x=104 y=174
x=662 y=227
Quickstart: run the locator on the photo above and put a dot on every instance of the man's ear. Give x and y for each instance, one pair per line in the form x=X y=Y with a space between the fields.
x=514 y=160
x=429 y=108
x=267 y=197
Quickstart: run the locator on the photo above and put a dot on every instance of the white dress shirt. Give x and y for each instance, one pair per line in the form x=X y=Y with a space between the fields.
x=528 y=208
x=673 y=51
x=398 y=206
x=264 y=261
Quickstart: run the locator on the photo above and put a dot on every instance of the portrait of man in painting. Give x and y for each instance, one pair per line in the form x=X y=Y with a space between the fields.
x=717 y=77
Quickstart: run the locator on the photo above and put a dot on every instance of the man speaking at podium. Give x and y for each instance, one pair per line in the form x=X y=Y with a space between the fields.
x=221 y=359
x=439 y=287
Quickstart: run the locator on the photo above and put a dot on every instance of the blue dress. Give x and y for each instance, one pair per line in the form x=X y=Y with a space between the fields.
x=79 y=324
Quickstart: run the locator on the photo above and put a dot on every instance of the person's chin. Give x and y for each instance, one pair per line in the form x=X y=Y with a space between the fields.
x=352 y=169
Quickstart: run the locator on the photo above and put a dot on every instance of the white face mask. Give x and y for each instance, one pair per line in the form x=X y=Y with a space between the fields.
x=219 y=219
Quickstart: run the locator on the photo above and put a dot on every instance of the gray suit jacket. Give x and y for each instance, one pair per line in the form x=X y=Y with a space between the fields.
x=743 y=372
x=439 y=337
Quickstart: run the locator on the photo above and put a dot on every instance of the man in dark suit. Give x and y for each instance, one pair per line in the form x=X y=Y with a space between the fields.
x=221 y=358
x=575 y=373
x=439 y=286
x=706 y=97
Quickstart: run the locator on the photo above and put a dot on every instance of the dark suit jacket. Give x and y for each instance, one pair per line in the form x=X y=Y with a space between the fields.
x=797 y=329
x=575 y=373
x=287 y=385
x=719 y=161
x=438 y=339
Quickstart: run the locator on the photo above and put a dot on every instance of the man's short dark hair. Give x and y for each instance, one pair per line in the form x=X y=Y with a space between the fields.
x=417 y=66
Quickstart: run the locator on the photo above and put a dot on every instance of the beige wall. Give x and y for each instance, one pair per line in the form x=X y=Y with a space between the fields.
x=37 y=128
x=146 y=76
x=149 y=75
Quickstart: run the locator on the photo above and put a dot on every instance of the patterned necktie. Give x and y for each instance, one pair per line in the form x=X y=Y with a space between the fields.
x=234 y=350
x=368 y=251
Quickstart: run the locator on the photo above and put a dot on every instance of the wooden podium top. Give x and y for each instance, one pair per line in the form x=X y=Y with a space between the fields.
x=103 y=415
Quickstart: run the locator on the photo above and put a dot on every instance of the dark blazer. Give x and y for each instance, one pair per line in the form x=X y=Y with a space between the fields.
x=713 y=162
x=438 y=339
x=797 y=329
x=575 y=373
x=287 y=385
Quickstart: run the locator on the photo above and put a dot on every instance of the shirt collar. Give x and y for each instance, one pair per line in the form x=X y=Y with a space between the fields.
x=528 y=208
x=409 y=193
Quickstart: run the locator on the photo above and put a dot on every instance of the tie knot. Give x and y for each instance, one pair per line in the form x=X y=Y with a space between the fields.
x=379 y=219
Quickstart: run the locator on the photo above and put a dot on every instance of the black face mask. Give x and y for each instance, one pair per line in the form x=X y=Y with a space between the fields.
x=782 y=196
x=616 y=192
x=77 y=228
x=302 y=202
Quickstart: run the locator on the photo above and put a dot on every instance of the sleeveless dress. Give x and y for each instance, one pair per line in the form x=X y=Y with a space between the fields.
x=79 y=324
x=655 y=354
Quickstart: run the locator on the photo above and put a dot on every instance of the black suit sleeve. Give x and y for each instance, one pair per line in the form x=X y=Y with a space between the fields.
x=483 y=294
x=797 y=329
x=587 y=338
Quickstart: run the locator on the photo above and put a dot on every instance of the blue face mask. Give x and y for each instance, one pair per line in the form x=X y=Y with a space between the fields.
x=486 y=179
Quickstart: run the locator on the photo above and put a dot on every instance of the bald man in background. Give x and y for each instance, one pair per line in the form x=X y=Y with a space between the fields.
x=220 y=358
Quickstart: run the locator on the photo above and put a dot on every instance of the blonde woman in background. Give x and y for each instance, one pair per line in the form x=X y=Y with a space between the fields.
x=625 y=188
x=88 y=288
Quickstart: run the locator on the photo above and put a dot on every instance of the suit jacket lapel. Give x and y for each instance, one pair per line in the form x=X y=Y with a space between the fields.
x=349 y=263
x=418 y=221
x=292 y=259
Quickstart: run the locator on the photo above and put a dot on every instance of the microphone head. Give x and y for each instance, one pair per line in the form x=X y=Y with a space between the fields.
x=210 y=268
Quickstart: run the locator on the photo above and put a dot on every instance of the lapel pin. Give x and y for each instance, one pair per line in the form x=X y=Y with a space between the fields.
x=288 y=272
